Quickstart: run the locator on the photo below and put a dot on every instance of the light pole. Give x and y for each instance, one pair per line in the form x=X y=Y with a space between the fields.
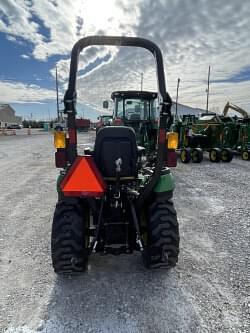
x=177 y=93
x=207 y=90
x=57 y=101
x=141 y=81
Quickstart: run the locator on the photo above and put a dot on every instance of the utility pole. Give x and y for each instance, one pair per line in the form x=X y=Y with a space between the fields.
x=141 y=81
x=207 y=90
x=57 y=100
x=177 y=92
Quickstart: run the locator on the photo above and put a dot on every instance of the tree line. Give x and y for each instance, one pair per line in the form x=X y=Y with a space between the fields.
x=37 y=123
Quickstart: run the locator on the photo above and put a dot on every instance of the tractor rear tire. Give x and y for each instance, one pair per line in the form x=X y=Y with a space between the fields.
x=245 y=155
x=185 y=155
x=226 y=155
x=215 y=155
x=163 y=236
x=197 y=155
x=68 y=239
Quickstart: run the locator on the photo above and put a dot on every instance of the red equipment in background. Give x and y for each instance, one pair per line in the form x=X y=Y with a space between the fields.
x=83 y=124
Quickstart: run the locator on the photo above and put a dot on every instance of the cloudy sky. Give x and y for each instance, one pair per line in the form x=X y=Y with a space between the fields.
x=35 y=36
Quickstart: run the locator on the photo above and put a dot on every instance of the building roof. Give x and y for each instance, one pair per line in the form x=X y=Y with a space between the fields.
x=184 y=109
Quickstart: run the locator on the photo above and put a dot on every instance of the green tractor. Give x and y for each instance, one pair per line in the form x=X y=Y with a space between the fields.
x=109 y=200
x=206 y=133
x=137 y=109
x=244 y=139
x=240 y=137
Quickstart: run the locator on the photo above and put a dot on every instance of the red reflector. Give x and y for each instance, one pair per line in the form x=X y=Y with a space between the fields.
x=60 y=158
x=171 y=158
x=83 y=179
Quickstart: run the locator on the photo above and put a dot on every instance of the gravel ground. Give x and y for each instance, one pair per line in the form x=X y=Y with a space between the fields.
x=207 y=292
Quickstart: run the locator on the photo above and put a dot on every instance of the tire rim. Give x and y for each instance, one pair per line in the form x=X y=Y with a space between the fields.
x=213 y=155
x=245 y=156
x=183 y=155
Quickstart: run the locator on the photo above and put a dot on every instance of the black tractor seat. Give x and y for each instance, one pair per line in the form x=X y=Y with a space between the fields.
x=115 y=152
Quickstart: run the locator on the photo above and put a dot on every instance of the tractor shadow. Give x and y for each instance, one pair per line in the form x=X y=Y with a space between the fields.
x=117 y=294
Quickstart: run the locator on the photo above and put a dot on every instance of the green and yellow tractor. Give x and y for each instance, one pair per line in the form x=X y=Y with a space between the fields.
x=110 y=200
x=244 y=139
x=240 y=139
x=206 y=133
x=137 y=109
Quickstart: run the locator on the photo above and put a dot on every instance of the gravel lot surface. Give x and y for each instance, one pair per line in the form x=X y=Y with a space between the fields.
x=207 y=292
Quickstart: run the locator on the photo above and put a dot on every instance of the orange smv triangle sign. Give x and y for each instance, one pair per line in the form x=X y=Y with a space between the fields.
x=83 y=179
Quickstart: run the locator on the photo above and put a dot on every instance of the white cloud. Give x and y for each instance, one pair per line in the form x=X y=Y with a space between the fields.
x=17 y=92
x=16 y=20
x=219 y=95
x=66 y=22
x=11 y=38
x=192 y=35
x=25 y=56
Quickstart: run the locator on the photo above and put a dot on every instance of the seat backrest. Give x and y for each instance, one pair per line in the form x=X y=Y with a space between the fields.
x=113 y=143
x=135 y=117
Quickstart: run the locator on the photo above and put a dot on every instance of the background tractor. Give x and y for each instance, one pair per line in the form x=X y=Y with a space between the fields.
x=137 y=109
x=103 y=120
x=244 y=139
x=109 y=200
x=206 y=133
x=241 y=138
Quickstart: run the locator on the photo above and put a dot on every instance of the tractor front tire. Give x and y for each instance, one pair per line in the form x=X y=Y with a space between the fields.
x=197 y=155
x=163 y=236
x=215 y=155
x=68 y=239
x=185 y=155
x=226 y=155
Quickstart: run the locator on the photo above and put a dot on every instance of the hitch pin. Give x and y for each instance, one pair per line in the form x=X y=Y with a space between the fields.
x=118 y=164
x=94 y=247
x=139 y=242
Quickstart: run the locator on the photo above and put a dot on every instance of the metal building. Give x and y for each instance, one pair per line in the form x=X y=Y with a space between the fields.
x=8 y=117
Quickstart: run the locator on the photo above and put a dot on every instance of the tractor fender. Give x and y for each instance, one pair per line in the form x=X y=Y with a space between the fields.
x=165 y=185
x=58 y=182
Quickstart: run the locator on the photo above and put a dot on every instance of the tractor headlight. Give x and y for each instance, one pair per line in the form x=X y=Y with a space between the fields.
x=59 y=139
x=172 y=140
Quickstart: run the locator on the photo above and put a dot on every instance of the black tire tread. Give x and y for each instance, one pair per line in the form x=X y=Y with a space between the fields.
x=199 y=155
x=229 y=155
x=218 y=155
x=245 y=151
x=163 y=233
x=68 y=251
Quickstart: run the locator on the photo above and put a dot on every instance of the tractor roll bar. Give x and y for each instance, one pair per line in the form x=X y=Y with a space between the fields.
x=164 y=99
x=116 y=41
